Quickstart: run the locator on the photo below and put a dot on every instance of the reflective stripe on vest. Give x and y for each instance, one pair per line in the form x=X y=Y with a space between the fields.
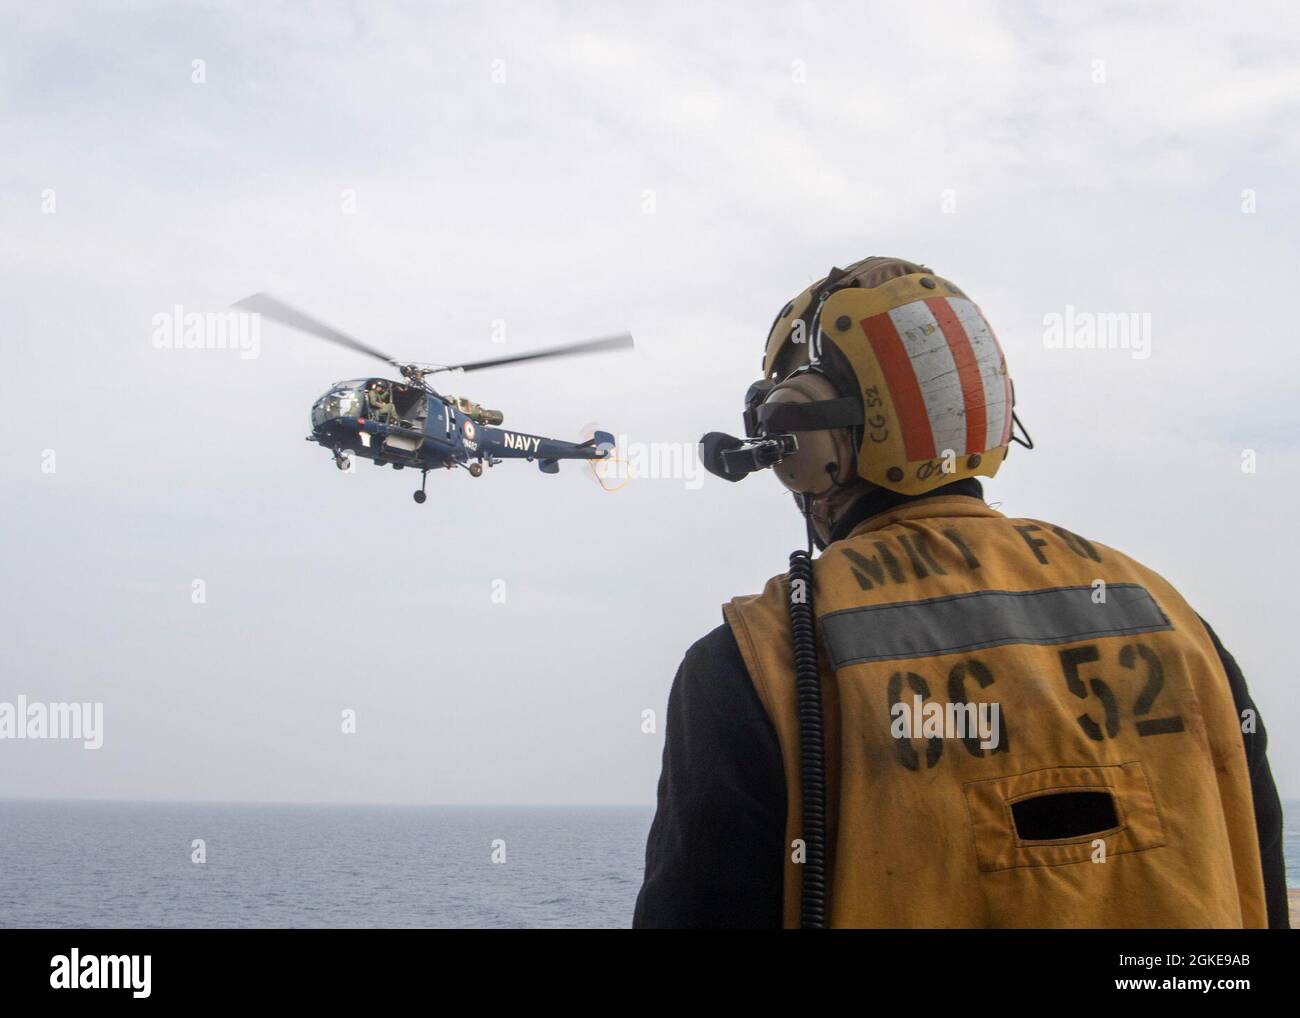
x=1023 y=728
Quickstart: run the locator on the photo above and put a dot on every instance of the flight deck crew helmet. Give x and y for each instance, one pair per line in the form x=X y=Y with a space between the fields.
x=886 y=373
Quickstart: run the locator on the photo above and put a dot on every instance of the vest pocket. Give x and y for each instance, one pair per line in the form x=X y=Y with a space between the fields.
x=1055 y=816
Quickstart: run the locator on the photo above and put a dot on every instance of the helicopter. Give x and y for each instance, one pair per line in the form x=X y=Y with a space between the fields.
x=408 y=423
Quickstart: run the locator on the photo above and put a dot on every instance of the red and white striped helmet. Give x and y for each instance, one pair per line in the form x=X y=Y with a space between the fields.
x=936 y=396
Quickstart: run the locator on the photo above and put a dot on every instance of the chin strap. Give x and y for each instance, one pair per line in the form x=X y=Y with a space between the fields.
x=1026 y=440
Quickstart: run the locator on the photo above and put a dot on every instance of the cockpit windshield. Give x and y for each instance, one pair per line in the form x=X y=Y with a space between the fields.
x=343 y=400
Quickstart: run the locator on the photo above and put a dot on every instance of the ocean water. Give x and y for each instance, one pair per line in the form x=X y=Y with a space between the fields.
x=98 y=864
x=1291 y=841
x=93 y=864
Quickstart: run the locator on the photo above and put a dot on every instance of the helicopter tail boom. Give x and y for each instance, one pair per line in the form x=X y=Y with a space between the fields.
x=515 y=445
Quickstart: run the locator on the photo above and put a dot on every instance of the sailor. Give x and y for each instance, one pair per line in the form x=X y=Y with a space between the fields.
x=381 y=403
x=1019 y=726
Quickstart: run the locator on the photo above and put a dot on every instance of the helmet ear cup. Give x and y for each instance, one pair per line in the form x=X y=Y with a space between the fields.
x=825 y=458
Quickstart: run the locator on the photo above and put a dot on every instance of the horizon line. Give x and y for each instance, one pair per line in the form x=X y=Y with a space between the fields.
x=108 y=800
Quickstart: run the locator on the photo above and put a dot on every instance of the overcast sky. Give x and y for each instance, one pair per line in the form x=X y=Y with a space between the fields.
x=415 y=174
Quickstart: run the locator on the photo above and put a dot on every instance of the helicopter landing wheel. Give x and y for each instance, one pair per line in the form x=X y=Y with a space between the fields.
x=419 y=497
x=476 y=470
x=342 y=460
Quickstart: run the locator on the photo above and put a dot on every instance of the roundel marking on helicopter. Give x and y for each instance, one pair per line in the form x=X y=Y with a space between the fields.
x=467 y=426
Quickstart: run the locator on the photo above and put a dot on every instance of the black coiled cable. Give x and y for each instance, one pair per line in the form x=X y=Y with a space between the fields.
x=812 y=763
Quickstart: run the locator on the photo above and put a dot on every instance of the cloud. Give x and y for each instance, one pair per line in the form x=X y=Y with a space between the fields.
x=681 y=174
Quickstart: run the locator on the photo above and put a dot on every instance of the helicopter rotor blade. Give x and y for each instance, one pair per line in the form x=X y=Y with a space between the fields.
x=278 y=311
x=622 y=341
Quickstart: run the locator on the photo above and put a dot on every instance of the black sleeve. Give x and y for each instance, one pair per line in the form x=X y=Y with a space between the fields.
x=715 y=855
x=1268 y=807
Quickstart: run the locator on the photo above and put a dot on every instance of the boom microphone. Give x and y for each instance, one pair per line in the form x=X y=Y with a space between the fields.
x=734 y=458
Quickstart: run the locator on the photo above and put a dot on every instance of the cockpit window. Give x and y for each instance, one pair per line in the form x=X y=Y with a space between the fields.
x=343 y=400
